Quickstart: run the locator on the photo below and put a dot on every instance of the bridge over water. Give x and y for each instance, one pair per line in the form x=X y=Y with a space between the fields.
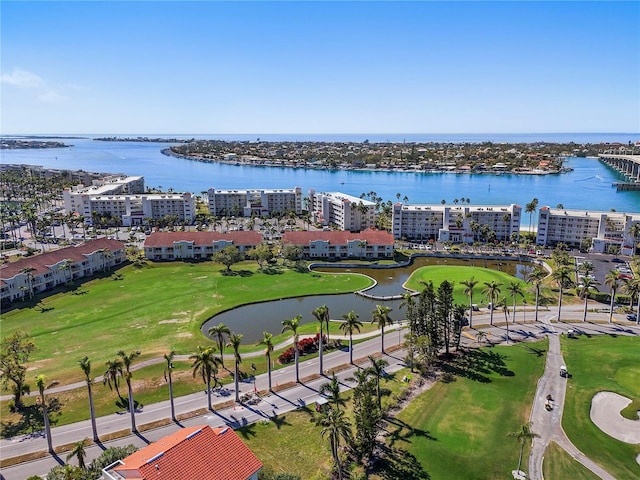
x=628 y=165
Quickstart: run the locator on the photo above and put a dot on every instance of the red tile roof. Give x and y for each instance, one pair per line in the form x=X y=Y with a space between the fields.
x=76 y=253
x=192 y=453
x=373 y=237
x=162 y=239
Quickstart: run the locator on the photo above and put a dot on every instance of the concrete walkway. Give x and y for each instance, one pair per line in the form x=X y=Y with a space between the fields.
x=548 y=424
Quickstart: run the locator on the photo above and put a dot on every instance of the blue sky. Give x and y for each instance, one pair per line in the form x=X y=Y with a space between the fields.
x=319 y=67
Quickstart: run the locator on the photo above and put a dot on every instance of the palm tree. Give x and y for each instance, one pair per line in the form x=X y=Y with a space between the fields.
x=267 y=341
x=530 y=208
x=206 y=363
x=492 y=292
x=536 y=276
x=127 y=361
x=522 y=436
x=85 y=366
x=351 y=324
x=111 y=376
x=480 y=335
x=377 y=369
x=292 y=325
x=468 y=291
x=611 y=281
x=235 y=339
x=168 y=368
x=583 y=292
x=336 y=427
x=562 y=276
x=79 y=452
x=332 y=391
x=321 y=313
x=380 y=316
x=218 y=332
x=505 y=309
x=40 y=383
x=514 y=290
x=631 y=287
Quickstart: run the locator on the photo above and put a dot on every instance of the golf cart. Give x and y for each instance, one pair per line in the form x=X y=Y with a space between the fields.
x=563 y=371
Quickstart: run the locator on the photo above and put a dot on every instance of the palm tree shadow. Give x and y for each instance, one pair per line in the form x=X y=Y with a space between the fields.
x=399 y=464
x=247 y=431
x=538 y=352
x=399 y=431
x=279 y=421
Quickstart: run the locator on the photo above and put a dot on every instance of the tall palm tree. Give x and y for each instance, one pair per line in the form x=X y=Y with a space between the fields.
x=206 y=363
x=468 y=291
x=562 y=276
x=40 y=383
x=292 y=325
x=235 y=339
x=480 y=336
x=219 y=332
x=127 y=361
x=168 y=368
x=336 y=427
x=583 y=292
x=631 y=287
x=111 y=376
x=267 y=341
x=85 y=366
x=79 y=452
x=530 y=208
x=332 y=391
x=380 y=316
x=611 y=280
x=523 y=435
x=536 y=276
x=514 y=290
x=321 y=313
x=492 y=292
x=377 y=369
x=351 y=324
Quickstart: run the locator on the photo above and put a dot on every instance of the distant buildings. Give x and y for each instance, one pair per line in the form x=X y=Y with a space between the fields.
x=603 y=230
x=40 y=273
x=365 y=245
x=199 y=452
x=343 y=211
x=456 y=223
x=123 y=199
x=196 y=245
x=260 y=202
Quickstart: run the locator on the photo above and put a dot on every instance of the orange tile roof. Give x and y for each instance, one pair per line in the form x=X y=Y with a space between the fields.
x=374 y=237
x=161 y=239
x=41 y=262
x=192 y=453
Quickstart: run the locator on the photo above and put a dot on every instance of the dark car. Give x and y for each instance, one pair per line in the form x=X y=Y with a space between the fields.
x=617 y=260
x=632 y=317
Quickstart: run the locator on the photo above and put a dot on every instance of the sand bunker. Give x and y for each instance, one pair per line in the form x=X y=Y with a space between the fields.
x=605 y=413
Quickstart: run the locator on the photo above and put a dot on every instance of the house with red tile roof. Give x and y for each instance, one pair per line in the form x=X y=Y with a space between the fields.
x=196 y=245
x=199 y=452
x=368 y=244
x=44 y=272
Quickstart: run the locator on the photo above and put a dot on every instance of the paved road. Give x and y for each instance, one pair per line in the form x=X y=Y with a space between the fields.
x=279 y=403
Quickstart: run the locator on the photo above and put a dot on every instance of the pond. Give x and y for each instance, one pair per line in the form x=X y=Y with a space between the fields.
x=252 y=320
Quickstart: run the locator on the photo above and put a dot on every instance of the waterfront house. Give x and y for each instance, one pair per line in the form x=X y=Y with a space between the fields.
x=199 y=452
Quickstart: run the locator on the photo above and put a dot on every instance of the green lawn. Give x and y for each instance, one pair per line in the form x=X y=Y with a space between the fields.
x=458 y=274
x=154 y=309
x=559 y=464
x=459 y=429
x=602 y=363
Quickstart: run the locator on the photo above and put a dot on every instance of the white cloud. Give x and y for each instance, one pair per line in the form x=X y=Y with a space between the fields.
x=22 y=79
x=27 y=80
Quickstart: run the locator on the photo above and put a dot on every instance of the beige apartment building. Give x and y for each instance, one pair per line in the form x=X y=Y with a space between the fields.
x=260 y=202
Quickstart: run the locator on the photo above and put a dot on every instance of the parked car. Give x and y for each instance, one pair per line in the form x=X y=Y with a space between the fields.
x=632 y=317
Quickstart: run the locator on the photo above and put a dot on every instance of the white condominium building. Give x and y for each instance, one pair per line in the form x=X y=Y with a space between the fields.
x=605 y=230
x=261 y=202
x=341 y=210
x=132 y=209
x=456 y=223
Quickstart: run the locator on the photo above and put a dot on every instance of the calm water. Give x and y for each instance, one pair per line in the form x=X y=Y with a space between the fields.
x=587 y=187
x=252 y=320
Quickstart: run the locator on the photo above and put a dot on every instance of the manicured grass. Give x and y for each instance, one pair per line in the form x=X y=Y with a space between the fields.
x=155 y=309
x=601 y=363
x=437 y=274
x=459 y=429
x=559 y=464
